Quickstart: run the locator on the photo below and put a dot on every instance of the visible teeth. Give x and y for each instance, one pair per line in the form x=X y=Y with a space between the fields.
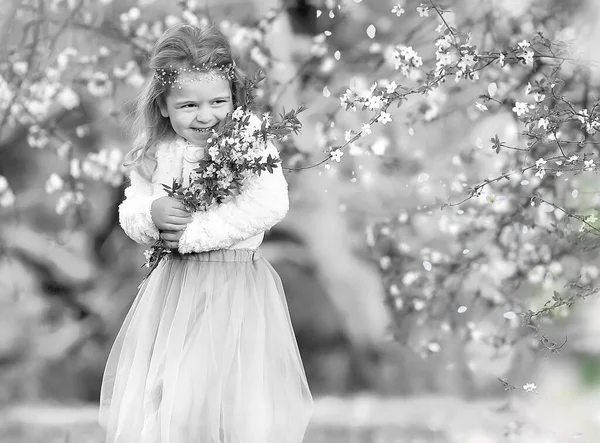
x=203 y=129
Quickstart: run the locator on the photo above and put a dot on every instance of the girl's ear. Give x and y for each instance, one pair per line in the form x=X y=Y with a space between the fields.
x=163 y=107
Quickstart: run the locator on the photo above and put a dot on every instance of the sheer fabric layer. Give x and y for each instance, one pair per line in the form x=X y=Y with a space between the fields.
x=207 y=354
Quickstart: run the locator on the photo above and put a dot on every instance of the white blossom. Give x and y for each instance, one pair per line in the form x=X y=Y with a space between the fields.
x=409 y=278
x=398 y=303
x=375 y=102
x=67 y=98
x=380 y=146
x=7 y=198
x=54 y=183
x=238 y=113
x=501 y=59
x=434 y=347
x=385 y=262
x=135 y=79
x=419 y=305
x=391 y=88
x=172 y=20
x=337 y=155
x=82 y=130
x=527 y=56
x=20 y=67
x=467 y=61
x=524 y=44
x=520 y=108
x=75 y=168
x=384 y=118
x=100 y=85
x=69 y=199
x=37 y=137
x=63 y=59
x=481 y=106
x=398 y=10
x=133 y=14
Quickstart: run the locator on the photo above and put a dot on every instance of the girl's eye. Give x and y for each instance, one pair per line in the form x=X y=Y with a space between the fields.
x=220 y=101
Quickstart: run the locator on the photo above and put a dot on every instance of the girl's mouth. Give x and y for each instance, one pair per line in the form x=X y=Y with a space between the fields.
x=204 y=130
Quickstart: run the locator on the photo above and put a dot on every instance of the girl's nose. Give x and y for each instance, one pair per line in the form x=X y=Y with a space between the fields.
x=203 y=115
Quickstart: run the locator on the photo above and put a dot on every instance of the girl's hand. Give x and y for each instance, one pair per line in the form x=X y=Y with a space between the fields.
x=169 y=214
x=171 y=238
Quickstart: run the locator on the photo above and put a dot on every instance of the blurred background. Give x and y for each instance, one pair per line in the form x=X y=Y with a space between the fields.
x=409 y=316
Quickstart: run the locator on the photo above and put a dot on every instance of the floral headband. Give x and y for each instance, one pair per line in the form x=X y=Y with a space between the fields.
x=211 y=72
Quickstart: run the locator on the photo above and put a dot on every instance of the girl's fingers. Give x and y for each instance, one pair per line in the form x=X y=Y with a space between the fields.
x=170 y=236
x=170 y=227
x=177 y=226
x=178 y=205
x=180 y=214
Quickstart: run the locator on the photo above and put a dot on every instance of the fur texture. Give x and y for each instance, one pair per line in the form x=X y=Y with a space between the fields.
x=262 y=203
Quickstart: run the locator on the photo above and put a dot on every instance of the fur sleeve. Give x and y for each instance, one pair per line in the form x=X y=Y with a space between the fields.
x=134 y=211
x=262 y=203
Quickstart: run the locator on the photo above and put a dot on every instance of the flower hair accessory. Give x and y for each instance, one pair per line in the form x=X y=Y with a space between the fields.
x=211 y=72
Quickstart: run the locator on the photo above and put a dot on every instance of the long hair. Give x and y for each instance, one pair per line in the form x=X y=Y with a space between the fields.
x=181 y=46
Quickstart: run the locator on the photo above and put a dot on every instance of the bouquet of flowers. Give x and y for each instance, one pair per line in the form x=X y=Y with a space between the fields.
x=235 y=152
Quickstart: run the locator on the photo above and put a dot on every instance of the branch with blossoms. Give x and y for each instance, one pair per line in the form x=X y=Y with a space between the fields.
x=422 y=289
x=462 y=61
x=570 y=165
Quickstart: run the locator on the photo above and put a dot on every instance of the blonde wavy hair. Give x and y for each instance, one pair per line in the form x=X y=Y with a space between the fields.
x=181 y=46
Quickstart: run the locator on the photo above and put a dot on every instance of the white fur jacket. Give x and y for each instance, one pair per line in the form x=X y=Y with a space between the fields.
x=261 y=204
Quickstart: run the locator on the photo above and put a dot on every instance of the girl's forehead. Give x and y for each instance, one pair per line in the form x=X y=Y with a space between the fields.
x=200 y=85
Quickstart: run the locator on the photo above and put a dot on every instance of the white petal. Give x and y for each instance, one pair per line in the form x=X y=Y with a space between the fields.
x=371 y=30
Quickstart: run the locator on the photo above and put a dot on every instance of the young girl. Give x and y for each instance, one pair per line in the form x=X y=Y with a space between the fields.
x=207 y=353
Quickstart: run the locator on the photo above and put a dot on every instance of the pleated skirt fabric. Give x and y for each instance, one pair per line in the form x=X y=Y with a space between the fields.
x=207 y=354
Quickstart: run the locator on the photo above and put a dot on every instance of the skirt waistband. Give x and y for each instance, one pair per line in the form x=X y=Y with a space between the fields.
x=220 y=255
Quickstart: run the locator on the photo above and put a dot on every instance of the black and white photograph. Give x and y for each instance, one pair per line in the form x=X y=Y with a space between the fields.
x=299 y=221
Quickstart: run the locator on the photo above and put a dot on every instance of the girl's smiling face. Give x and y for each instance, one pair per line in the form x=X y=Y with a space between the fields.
x=196 y=104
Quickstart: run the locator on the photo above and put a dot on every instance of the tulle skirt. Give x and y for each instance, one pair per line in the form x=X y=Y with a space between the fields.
x=207 y=354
